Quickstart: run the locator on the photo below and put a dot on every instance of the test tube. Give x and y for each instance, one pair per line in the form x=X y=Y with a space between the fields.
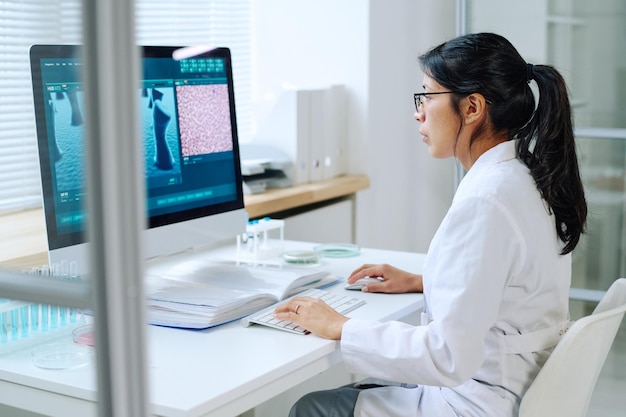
x=44 y=324
x=34 y=317
x=54 y=310
x=4 y=335
x=24 y=321
x=64 y=273
x=14 y=323
x=33 y=314
x=4 y=323
x=73 y=270
x=44 y=318
x=74 y=277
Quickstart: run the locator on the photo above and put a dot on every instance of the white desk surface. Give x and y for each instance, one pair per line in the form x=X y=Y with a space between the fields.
x=223 y=371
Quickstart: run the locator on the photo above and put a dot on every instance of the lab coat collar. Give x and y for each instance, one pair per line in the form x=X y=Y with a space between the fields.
x=500 y=153
x=504 y=151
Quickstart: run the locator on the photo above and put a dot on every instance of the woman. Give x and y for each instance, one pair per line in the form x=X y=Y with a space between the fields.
x=497 y=274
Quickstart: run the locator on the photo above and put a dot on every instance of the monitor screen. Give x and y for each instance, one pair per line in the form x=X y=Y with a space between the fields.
x=191 y=154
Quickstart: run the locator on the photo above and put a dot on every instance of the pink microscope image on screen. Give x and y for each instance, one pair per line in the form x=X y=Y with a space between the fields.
x=204 y=128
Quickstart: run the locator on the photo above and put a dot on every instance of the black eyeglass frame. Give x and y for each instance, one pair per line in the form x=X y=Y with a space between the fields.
x=419 y=98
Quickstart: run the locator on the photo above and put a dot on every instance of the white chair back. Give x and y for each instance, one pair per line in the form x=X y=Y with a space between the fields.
x=565 y=384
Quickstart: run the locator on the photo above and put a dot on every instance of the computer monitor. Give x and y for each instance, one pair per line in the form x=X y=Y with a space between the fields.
x=189 y=131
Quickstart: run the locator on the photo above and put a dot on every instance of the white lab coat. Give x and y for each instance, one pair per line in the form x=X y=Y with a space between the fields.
x=496 y=294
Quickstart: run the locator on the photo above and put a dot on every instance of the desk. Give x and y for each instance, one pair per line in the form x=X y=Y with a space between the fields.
x=216 y=372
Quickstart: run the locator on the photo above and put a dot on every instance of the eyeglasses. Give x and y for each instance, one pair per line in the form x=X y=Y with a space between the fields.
x=419 y=98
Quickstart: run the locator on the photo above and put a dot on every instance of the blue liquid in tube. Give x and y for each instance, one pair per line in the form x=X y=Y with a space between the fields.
x=4 y=318
x=14 y=321
x=24 y=322
x=34 y=317
x=44 y=317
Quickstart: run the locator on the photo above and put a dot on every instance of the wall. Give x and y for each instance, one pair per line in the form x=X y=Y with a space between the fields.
x=410 y=191
x=521 y=22
x=310 y=45
x=372 y=48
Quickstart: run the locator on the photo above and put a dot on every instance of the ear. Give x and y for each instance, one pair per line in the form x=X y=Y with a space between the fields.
x=474 y=108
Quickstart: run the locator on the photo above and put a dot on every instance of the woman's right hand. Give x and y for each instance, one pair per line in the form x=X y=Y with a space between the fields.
x=393 y=280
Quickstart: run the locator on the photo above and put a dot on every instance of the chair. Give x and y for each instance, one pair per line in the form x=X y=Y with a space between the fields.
x=564 y=386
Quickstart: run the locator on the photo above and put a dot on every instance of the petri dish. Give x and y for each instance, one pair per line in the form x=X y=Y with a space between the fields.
x=62 y=355
x=302 y=257
x=338 y=250
x=84 y=335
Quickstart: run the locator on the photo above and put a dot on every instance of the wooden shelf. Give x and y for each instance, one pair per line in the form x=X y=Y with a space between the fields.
x=22 y=233
x=276 y=200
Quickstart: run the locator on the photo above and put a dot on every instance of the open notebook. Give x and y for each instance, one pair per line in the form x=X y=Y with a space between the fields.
x=198 y=294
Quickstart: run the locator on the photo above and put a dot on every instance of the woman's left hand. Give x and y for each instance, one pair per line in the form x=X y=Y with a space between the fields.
x=314 y=315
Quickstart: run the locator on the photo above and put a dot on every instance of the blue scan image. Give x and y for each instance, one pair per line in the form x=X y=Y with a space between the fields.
x=160 y=132
x=69 y=139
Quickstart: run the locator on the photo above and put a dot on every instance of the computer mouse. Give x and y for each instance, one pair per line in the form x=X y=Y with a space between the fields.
x=357 y=285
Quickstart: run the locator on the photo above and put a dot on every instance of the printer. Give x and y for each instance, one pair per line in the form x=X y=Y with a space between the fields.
x=264 y=167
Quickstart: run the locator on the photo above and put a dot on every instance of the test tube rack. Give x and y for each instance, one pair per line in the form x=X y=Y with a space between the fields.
x=25 y=324
x=257 y=243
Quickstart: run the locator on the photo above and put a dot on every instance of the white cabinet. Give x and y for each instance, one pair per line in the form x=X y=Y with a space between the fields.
x=330 y=223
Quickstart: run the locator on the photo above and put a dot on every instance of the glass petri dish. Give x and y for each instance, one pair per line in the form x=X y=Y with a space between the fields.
x=302 y=257
x=62 y=355
x=84 y=335
x=338 y=250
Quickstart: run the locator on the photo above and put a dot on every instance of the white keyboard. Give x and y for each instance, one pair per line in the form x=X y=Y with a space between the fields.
x=341 y=303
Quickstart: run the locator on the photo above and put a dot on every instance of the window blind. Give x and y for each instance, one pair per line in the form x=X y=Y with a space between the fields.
x=215 y=23
x=22 y=23
x=27 y=22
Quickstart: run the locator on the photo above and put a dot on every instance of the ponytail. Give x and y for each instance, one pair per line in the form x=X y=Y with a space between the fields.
x=546 y=145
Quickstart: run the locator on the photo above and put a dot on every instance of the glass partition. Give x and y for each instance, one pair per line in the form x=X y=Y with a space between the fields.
x=601 y=255
x=583 y=40
x=59 y=97
x=37 y=335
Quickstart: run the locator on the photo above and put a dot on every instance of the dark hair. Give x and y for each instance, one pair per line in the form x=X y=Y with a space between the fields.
x=488 y=64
